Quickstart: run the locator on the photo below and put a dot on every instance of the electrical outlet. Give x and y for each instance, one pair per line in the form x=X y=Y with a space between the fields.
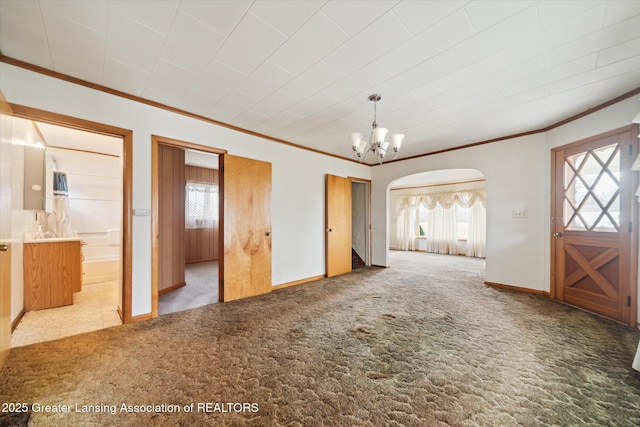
x=520 y=214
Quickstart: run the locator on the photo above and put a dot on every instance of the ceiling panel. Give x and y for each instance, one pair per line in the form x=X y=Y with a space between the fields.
x=505 y=33
x=157 y=16
x=417 y=16
x=221 y=15
x=190 y=44
x=376 y=39
x=317 y=38
x=22 y=34
x=74 y=43
x=302 y=70
x=132 y=43
x=264 y=80
x=295 y=14
x=250 y=43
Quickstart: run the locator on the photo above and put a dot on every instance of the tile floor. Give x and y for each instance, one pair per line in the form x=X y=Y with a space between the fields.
x=95 y=307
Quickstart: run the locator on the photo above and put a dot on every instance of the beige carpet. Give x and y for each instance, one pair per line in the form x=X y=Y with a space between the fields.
x=201 y=289
x=423 y=343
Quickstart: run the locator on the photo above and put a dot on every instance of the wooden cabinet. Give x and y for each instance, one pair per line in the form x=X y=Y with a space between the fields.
x=52 y=273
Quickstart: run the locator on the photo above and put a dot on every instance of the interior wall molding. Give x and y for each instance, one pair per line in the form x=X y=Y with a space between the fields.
x=101 y=88
x=41 y=70
x=413 y=187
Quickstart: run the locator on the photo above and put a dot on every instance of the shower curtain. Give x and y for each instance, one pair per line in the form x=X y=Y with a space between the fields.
x=59 y=221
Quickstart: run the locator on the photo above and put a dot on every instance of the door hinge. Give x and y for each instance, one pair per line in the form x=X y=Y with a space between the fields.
x=222 y=169
x=222 y=283
x=629 y=301
x=630 y=226
x=631 y=149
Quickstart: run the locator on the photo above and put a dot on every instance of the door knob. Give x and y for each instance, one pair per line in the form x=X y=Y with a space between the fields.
x=557 y=234
x=329 y=230
x=4 y=248
x=268 y=233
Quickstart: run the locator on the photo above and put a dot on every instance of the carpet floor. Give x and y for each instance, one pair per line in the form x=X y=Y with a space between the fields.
x=423 y=343
x=201 y=289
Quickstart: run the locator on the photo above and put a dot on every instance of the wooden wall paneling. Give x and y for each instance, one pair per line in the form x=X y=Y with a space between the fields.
x=201 y=244
x=171 y=253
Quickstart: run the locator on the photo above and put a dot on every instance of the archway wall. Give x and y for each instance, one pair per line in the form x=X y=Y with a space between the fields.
x=515 y=181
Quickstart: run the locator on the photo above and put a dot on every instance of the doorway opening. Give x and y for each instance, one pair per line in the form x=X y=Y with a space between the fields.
x=361 y=223
x=187 y=225
x=441 y=212
x=78 y=209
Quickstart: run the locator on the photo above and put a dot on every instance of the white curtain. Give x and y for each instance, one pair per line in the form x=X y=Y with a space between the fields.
x=477 y=235
x=442 y=224
x=406 y=220
x=442 y=231
x=201 y=205
x=406 y=230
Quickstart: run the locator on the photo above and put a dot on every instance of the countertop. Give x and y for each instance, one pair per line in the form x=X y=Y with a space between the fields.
x=53 y=240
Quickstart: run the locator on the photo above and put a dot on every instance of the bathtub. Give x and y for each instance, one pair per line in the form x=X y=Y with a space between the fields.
x=97 y=269
x=101 y=258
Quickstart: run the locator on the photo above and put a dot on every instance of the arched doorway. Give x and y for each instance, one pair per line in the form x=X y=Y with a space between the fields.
x=441 y=211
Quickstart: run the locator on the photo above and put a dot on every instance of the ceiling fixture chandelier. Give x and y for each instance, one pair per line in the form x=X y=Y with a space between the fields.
x=376 y=144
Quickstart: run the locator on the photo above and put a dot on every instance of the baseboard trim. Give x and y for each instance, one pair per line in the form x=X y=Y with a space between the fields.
x=517 y=289
x=296 y=282
x=379 y=266
x=17 y=320
x=171 y=288
x=196 y=261
x=140 y=318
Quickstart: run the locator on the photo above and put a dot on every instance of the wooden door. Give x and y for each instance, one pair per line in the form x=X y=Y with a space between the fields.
x=245 y=265
x=171 y=193
x=338 y=225
x=592 y=224
x=6 y=136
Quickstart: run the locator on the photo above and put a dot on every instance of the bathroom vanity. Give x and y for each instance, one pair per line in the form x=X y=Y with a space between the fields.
x=52 y=272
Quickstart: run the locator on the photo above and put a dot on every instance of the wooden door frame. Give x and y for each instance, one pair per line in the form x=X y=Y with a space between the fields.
x=633 y=217
x=369 y=261
x=6 y=257
x=157 y=140
x=29 y=113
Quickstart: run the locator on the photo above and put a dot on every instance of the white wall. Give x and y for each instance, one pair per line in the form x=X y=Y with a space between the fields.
x=514 y=173
x=298 y=175
x=518 y=177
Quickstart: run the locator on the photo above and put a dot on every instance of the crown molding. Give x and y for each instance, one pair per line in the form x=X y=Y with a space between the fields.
x=95 y=86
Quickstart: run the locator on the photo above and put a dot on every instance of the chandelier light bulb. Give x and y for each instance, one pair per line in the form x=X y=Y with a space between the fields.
x=355 y=140
x=397 y=138
x=378 y=135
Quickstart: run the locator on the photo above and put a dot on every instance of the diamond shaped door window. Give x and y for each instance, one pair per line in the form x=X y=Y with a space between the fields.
x=592 y=187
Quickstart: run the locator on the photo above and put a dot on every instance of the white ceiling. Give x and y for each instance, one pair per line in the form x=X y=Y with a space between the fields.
x=450 y=72
x=74 y=139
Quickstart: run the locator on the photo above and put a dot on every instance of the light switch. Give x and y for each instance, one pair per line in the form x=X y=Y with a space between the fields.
x=519 y=213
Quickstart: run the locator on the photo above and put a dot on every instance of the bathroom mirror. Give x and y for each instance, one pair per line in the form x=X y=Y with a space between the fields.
x=34 y=178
